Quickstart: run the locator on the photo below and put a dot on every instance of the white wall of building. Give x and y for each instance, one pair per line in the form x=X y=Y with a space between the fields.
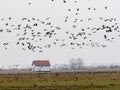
x=41 y=68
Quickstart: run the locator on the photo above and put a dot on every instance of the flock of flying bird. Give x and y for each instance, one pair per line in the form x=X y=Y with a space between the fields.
x=37 y=34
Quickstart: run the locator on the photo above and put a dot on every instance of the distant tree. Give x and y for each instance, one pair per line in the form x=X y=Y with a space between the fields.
x=114 y=66
x=16 y=66
x=2 y=67
x=76 y=63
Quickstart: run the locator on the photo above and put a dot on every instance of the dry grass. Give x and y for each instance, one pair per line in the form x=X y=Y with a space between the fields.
x=61 y=81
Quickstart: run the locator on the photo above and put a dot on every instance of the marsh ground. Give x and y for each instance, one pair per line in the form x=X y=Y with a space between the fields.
x=102 y=80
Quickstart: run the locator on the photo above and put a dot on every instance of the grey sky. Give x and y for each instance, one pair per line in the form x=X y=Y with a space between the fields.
x=57 y=10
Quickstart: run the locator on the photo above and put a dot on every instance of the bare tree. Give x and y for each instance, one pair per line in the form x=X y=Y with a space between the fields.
x=76 y=63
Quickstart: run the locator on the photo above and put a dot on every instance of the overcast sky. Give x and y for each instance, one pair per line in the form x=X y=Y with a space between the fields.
x=57 y=11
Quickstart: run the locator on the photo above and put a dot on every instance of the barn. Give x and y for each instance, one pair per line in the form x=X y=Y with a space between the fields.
x=41 y=65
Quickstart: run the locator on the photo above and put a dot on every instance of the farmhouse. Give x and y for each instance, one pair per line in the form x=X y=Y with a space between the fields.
x=41 y=65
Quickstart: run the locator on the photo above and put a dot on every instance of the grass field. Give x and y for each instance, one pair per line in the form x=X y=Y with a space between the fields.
x=61 y=81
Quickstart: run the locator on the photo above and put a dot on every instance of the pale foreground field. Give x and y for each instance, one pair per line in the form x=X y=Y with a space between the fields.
x=89 y=80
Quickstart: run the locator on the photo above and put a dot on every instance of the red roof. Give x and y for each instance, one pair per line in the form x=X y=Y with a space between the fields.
x=41 y=63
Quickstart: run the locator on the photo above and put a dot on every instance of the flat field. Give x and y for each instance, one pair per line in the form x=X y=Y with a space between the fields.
x=61 y=81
